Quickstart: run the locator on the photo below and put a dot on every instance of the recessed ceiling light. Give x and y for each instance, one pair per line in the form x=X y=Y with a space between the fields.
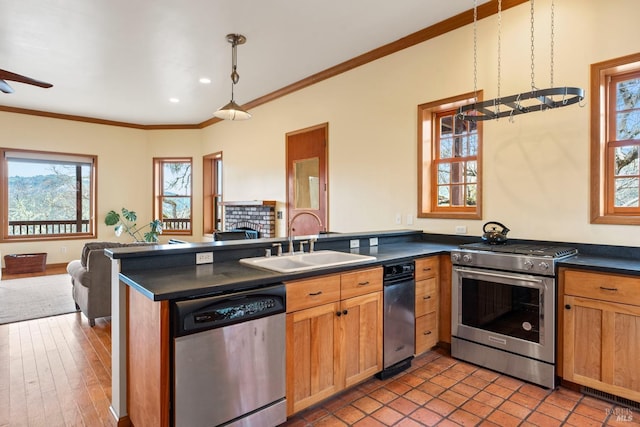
x=174 y=100
x=205 y=80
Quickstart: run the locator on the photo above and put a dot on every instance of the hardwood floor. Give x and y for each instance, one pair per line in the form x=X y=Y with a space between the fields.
x=55 y=371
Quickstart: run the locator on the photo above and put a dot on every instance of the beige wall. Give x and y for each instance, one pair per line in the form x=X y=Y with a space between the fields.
x=124 y=169
x=536 y=170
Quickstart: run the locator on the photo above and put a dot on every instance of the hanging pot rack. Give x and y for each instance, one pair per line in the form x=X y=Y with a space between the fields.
x=527 y=102
x=522 y=103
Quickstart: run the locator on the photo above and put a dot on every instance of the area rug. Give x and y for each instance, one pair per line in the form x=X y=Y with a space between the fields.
x=35 y=297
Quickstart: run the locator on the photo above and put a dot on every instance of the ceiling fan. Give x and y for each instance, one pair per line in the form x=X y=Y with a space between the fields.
x=8 y=75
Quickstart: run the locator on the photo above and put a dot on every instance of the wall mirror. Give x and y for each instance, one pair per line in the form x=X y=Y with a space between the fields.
x=307 y=183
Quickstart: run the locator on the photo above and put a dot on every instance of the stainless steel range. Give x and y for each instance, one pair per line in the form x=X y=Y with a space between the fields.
x=504 y=308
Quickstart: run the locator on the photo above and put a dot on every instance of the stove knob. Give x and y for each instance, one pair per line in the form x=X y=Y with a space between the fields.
x=543 y=266
x=466 y=258
x=528 y=265
x=455 y=257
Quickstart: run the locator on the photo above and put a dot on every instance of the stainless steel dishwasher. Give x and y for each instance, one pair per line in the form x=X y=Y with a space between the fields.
x=399 y=320
x=229 y=360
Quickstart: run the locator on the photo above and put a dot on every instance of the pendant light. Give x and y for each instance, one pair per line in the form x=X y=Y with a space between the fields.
x=526 y=102
x=233 y=111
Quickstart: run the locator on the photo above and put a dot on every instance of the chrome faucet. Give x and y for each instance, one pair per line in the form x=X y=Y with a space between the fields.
x=291 y=227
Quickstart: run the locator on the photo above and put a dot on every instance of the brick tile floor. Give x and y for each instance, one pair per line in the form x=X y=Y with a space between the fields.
x=439 y=390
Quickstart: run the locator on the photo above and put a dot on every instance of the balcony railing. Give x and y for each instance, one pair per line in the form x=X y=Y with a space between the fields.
x=44 y=228
x=176 y=224
x=39 y=228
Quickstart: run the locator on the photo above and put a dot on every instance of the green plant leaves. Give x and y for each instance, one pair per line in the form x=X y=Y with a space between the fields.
x=112 y=218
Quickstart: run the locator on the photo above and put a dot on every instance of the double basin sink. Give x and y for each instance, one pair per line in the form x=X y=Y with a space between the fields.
x=306 y=261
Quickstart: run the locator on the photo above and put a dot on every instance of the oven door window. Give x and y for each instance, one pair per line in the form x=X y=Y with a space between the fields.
x=509 y=310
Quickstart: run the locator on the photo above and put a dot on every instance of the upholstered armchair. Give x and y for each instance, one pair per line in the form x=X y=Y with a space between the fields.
x=91 y=280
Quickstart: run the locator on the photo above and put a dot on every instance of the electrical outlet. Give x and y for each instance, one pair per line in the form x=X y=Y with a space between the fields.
x=204 y=257
x=373 y=241
x=398 y=218
x=461 y=229
x=355 y=243
x=409 y=219
x=63 y=249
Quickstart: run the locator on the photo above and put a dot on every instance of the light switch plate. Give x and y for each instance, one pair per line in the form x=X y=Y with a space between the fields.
x=204 y=257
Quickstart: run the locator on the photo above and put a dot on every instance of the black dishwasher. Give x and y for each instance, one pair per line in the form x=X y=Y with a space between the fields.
x=229 y=359
x=399 y=321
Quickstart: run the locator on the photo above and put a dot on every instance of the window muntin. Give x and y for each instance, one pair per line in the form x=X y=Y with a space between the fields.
x=623 y=143
x=449 y=169
x=615 y=142
x=47 y=195
x=173 y=194
x=212 y=207
x=456 y=162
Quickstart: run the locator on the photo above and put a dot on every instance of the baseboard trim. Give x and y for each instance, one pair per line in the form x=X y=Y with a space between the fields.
x=50 y=269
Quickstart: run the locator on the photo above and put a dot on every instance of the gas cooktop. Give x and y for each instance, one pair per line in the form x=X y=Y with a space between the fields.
x=522 y=249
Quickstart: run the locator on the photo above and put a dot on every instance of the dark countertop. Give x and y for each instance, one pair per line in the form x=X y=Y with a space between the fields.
x=603 y=264
x=176 y=279
x=210 y=279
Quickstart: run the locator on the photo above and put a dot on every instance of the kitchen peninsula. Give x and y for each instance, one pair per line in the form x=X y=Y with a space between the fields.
x=147 y=280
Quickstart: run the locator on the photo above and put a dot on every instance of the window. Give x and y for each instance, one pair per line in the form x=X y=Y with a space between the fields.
x=47 y=195
x=172 y=194
x=615 y=141
x=449 y=178
x=212 y=193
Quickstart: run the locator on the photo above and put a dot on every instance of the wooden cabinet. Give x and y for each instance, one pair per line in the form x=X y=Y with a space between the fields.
x=334 y=338
x=427 y=302
x=601 y=331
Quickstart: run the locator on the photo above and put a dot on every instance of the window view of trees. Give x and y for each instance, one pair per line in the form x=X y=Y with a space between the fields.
x=173 y=194
x=47 y=195
x=625 y=140
x=449 y=150
x=457 y=151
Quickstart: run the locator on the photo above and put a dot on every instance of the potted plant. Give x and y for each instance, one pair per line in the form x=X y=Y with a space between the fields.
x=127 y=223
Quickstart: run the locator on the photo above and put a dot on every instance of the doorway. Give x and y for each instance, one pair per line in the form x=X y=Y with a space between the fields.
x=307 y=180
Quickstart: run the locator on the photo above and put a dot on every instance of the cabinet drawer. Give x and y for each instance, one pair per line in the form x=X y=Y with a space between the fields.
x=607 y=287
x=312 y=292
x=426 y=332
x=427 y=267
x=361 y=282
x=426 y=296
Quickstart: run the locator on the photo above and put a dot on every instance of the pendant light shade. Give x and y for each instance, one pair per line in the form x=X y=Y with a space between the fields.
x=233 y=111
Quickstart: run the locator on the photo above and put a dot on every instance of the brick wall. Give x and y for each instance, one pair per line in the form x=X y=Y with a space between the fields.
x=256 y=217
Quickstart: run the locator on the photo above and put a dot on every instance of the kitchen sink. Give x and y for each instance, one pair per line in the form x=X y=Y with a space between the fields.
x=306 y=261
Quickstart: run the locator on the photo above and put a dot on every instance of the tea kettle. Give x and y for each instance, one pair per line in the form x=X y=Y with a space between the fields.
x=493 y=236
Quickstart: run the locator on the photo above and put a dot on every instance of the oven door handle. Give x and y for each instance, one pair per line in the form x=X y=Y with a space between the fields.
x=479 y=274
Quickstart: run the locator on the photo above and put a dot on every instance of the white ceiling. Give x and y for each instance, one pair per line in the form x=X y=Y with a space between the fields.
x=123 y=59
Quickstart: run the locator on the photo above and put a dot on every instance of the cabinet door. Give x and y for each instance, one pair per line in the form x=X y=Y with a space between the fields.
x=601 y=344
x=361 y=337
x=312 y=356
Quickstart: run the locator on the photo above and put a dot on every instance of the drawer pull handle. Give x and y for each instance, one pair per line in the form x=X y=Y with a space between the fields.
x=427 y=297
x=426 y=333
x=315 y=294
x=426 y=269
x=363 y=283
x=608 y=289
